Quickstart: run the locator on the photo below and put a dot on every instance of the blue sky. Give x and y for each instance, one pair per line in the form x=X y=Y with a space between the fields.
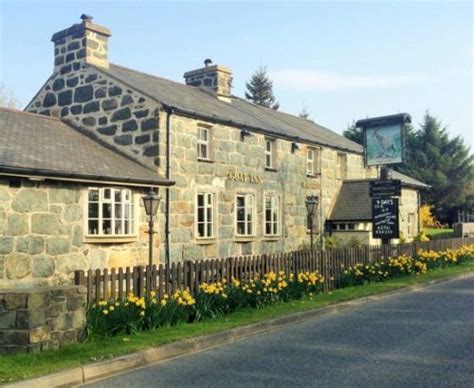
x=342 y=60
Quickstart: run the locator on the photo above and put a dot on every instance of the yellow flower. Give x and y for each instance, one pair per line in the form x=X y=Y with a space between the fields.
x=112 y=308
x=163 y=302
x=142 y=313
x=105 y=312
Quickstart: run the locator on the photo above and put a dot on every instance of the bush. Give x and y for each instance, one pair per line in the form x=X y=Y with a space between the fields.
x=404 y=265
x=109 y=318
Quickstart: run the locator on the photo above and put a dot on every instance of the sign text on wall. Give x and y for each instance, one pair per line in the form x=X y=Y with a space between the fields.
x=244 y=177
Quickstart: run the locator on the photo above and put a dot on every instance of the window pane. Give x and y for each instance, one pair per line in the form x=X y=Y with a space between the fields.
x=240 y=227
x=107 y=227
x=201 y=214
x=107 y=194
x=118 y=212
x=268 y=228
x=240 y=214
x=93 y=195
x=118 y=227
x=201 y=229
x=93 y=227
x=200 y=200
x=209 y=229
x=93 y=210
x=106 y=210
x=118 y=196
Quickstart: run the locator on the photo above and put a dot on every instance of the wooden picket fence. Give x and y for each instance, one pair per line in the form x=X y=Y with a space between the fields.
x=117 y=284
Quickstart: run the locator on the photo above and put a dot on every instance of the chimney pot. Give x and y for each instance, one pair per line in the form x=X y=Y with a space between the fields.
x=207 y=62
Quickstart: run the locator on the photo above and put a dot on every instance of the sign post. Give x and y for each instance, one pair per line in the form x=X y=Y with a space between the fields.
x=384 y=145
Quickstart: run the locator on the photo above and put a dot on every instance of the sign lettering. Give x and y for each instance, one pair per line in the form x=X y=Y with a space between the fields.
x=385 y=222
x=244 y=177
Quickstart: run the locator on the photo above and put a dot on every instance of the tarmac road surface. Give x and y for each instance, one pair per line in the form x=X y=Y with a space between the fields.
x=417 y=339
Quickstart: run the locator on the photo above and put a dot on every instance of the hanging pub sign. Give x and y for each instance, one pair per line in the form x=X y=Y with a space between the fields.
x=384 y=139
x=385 y=223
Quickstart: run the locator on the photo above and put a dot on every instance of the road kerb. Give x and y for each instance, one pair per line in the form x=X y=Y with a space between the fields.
x=103 y=369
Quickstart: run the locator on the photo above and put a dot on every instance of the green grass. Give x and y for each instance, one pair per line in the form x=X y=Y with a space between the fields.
x=437 y=234
x=21 y=366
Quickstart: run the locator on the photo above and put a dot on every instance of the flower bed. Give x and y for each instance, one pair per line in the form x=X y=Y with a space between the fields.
x=108 y=318
x=404 y=265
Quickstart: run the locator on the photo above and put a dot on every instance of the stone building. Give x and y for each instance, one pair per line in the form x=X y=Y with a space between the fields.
x=241 y=172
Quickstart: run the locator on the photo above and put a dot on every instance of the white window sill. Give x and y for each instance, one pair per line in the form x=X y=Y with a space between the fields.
x=109 y=239
x=271 y=238
x=244 y=239
x=206 y=240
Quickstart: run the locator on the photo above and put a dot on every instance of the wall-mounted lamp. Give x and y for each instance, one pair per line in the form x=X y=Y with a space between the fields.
x=295 y=146
x=244 y=133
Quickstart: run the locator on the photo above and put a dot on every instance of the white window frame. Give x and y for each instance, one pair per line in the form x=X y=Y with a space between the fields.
x=275 y=203
x=310 y=161
x=203 y=143
x=128 y=209
x=249 y=211
x=270 y=153
x=206 y=222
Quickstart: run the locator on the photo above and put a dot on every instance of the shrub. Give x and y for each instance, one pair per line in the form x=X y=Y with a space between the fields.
x=404 y=265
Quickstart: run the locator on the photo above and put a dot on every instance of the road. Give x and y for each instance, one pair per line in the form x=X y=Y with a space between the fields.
x=417 y=339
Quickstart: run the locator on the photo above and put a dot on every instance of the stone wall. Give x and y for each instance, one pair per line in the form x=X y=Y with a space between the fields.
x=41 y=318
x=112 y=111
x=229 y=153
x=42 y=235
x=408 y=207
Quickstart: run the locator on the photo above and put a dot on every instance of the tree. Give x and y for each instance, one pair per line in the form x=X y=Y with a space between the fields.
x=260 y=89
x=353 y=133
x=8 y=98
x=304 y=112
x=443 y=163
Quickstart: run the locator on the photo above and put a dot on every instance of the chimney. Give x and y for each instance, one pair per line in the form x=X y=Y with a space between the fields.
x=81 y=43
x=213 y=77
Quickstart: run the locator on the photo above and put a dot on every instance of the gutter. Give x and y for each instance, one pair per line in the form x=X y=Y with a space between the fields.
x=42 y=174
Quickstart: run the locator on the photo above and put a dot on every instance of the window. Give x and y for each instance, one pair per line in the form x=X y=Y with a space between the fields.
x=203 y=138
x=272 y=216
x=110 y=212
x=312 y=157
x=341 y=166
x=245 y=214
x=270 y=153
x=205 y=215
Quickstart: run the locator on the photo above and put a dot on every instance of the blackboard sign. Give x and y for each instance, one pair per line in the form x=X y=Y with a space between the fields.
x=386 y=188
x=385 y=218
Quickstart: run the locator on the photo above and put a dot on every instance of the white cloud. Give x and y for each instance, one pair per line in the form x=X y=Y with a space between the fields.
x=314 y=80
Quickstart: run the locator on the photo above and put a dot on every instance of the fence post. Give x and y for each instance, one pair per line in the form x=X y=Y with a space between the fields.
x=79 y=279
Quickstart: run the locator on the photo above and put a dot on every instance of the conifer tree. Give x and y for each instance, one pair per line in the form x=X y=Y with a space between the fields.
x=260 y=89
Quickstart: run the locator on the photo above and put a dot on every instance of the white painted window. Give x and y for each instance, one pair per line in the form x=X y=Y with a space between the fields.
x=110 y=212
x=245 y=214
x=411 y=224
x=270 y=153
x=203 y=143
x=205 y=215
x=312 y=161
x=272 y=216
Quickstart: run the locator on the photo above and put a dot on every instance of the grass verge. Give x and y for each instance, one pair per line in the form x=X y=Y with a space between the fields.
x=22 y=366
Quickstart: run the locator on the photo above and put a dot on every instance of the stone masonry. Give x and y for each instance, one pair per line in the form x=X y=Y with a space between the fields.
x=41 y=318
x=42 y=237
x=113 y=112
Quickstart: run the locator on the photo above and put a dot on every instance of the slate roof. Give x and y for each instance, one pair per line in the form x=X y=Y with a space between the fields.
x=39 y=145
x=354 y=203
x=241 y=113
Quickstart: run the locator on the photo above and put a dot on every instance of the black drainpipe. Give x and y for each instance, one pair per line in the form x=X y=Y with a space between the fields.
x=169 y=112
